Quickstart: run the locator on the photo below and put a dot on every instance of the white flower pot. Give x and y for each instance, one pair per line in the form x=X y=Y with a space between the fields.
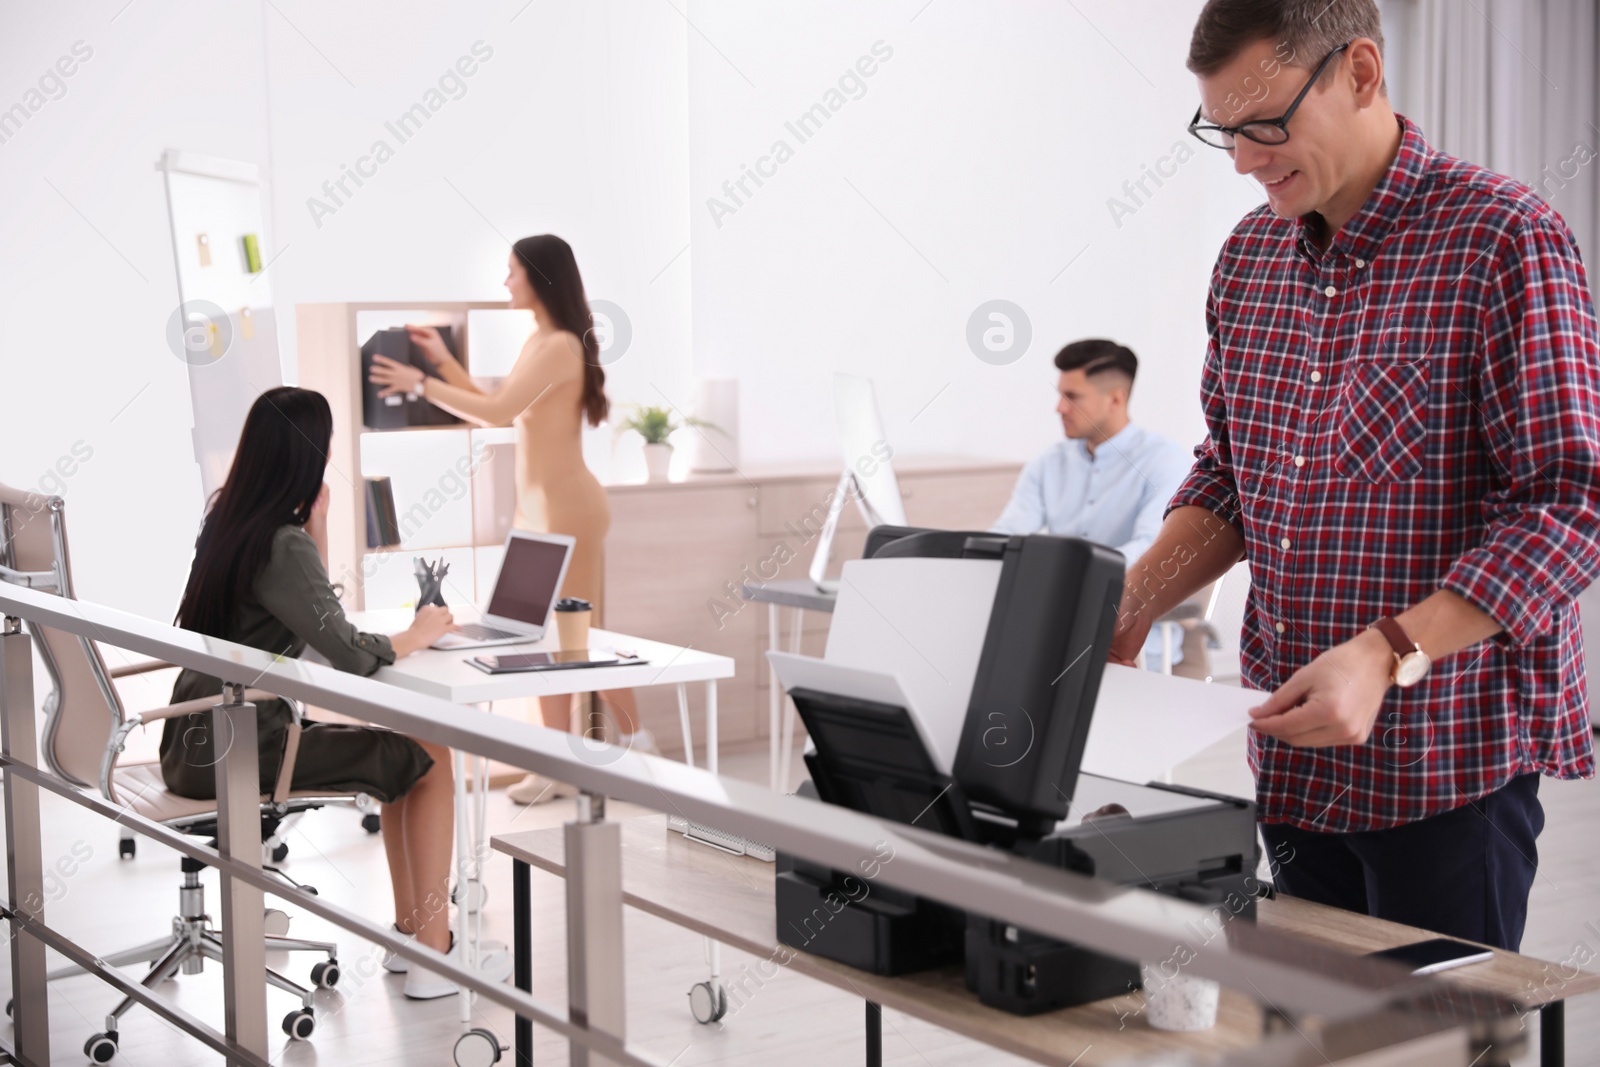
x=657 y=460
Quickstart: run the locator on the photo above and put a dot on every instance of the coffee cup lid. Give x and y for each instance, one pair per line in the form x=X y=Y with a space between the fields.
x=573 y=603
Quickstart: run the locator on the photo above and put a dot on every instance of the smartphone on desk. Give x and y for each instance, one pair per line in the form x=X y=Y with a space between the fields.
x=1435 y=955
x=566 y=659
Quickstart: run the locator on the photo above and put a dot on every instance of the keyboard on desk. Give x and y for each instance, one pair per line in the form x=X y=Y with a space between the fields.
x=477 y=631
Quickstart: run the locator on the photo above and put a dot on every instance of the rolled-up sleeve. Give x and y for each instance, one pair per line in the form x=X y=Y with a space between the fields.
x=1539 y=386
x=294 y=587
x=1210 y=483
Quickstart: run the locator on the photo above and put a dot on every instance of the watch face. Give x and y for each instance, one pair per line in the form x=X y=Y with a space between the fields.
x=1411 y=669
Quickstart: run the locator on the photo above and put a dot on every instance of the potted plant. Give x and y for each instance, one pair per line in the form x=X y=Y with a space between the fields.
x=655 y=425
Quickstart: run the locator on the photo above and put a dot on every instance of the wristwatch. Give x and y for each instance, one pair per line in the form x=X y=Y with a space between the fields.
x=1411 y=664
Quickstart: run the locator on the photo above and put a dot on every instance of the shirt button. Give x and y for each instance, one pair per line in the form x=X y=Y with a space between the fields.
x=1284 y=542
x=1316 y=376
x=1330 y=291
x=1280 y=627
x=1361 y=263
x=1299 y=461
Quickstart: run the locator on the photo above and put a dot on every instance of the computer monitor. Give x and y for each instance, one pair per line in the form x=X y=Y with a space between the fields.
x=868 y=475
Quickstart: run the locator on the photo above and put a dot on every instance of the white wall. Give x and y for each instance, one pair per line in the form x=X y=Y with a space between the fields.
x=86 y=272
x=991 y=141
x=977 y=164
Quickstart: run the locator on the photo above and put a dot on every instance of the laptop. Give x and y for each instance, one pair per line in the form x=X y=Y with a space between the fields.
x=525 y=592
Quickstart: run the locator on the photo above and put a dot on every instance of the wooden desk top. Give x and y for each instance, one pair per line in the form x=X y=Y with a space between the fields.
x=729 y=898
x=1524 y=980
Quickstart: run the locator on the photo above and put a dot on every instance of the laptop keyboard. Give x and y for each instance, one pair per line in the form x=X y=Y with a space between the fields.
x=477 y=631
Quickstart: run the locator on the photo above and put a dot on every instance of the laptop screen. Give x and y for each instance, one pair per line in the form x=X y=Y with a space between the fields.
x=527 y=584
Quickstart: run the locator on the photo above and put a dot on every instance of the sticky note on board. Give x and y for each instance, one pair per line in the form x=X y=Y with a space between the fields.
x=252 y=254
x=247 y=325
x=214 y=338
x=203 y=243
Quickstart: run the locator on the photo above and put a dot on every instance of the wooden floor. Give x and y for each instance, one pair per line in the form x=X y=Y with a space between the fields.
x=109 y=904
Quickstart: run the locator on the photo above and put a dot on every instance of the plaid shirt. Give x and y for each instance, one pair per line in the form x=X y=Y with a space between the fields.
x=1415 y=408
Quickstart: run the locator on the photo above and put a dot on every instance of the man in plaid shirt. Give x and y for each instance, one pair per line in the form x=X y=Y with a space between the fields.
x=1402 y=392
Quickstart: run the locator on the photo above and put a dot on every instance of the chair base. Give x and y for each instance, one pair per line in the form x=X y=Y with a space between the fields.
x=193 y=941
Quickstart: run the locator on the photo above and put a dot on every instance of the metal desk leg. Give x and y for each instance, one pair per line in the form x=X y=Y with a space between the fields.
x=774 y=699
x=683 y=722
x=711 y=726
x=874 y=1035
x=797 y=621
x=1553 y=1034
x=522 y=946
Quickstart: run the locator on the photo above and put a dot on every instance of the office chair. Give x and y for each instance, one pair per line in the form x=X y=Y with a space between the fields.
x=84 y=734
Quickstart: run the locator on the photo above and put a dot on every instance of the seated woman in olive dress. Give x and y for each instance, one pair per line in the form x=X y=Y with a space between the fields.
x=260 y=578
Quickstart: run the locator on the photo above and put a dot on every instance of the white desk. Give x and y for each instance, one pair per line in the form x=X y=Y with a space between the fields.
x=447 y=674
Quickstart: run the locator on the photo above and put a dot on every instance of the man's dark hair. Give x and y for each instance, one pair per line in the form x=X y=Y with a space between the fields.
x=1097 y=356
x=1304 y=30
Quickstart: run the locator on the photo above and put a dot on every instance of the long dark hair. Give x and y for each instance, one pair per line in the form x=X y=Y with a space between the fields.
x=274 y=481
x=553 y=273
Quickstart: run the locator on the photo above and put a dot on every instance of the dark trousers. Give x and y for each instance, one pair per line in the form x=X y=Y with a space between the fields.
x=1465 y=873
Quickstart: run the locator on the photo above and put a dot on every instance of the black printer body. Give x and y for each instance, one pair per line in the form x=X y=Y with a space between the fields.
x=1015 y=784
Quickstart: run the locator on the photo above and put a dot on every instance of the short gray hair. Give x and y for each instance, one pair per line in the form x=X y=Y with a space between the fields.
x=1310 y=28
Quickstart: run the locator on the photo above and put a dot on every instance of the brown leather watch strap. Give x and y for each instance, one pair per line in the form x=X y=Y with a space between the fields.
x=1395 y=635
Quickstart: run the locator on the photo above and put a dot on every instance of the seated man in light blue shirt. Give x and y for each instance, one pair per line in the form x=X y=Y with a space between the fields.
x=1109 y=481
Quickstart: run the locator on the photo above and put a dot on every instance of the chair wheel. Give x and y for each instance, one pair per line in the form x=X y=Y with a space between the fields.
x=280 y=852
x=472 y=898
x=300 y=1024
x=372 y=822
x=477 y=1048
x=100 y=1048
x=275 y=922
x=707 y=1002
x=128 y=848
x=325 y=975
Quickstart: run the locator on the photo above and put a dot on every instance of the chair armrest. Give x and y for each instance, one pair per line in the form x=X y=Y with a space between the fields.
x=198 y=704
x=127 y=670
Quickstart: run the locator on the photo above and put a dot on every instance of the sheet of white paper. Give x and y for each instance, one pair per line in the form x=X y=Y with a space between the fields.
x=808 y=672
x=923 y=621
x=1145 y=722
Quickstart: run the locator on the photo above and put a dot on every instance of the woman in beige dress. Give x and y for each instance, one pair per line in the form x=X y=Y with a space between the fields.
x=556 y=385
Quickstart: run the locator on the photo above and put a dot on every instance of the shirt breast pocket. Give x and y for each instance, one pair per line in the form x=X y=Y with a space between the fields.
x=1383 y=427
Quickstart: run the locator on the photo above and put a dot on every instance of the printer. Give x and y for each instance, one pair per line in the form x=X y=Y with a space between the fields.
x=999 y=765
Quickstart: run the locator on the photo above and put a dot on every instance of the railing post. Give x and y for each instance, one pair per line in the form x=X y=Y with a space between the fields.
x=24 y=852
x=244 y=955
x=594 y=925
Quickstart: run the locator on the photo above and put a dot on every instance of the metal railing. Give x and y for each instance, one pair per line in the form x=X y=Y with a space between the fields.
x=1332 y=1006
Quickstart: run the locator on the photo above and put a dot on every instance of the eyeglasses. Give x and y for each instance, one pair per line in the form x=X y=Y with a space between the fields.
x=1261 y=131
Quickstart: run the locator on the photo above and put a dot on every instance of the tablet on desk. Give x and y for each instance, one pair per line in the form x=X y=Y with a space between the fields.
x=1435 y=955
x=568 y=659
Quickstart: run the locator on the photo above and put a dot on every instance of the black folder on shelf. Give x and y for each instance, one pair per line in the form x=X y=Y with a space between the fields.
x=401 y=412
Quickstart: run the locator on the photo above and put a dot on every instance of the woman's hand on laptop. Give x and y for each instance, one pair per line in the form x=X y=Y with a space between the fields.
x=432 y=622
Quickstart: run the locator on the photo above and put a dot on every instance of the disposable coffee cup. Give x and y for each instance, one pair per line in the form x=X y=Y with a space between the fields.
x=572 y=623
x=1180 y=1001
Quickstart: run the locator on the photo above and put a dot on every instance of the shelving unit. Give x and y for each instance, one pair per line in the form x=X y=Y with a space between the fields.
x=441 y=511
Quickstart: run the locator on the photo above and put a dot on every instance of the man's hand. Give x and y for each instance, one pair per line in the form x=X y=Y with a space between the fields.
x=1334 y=699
